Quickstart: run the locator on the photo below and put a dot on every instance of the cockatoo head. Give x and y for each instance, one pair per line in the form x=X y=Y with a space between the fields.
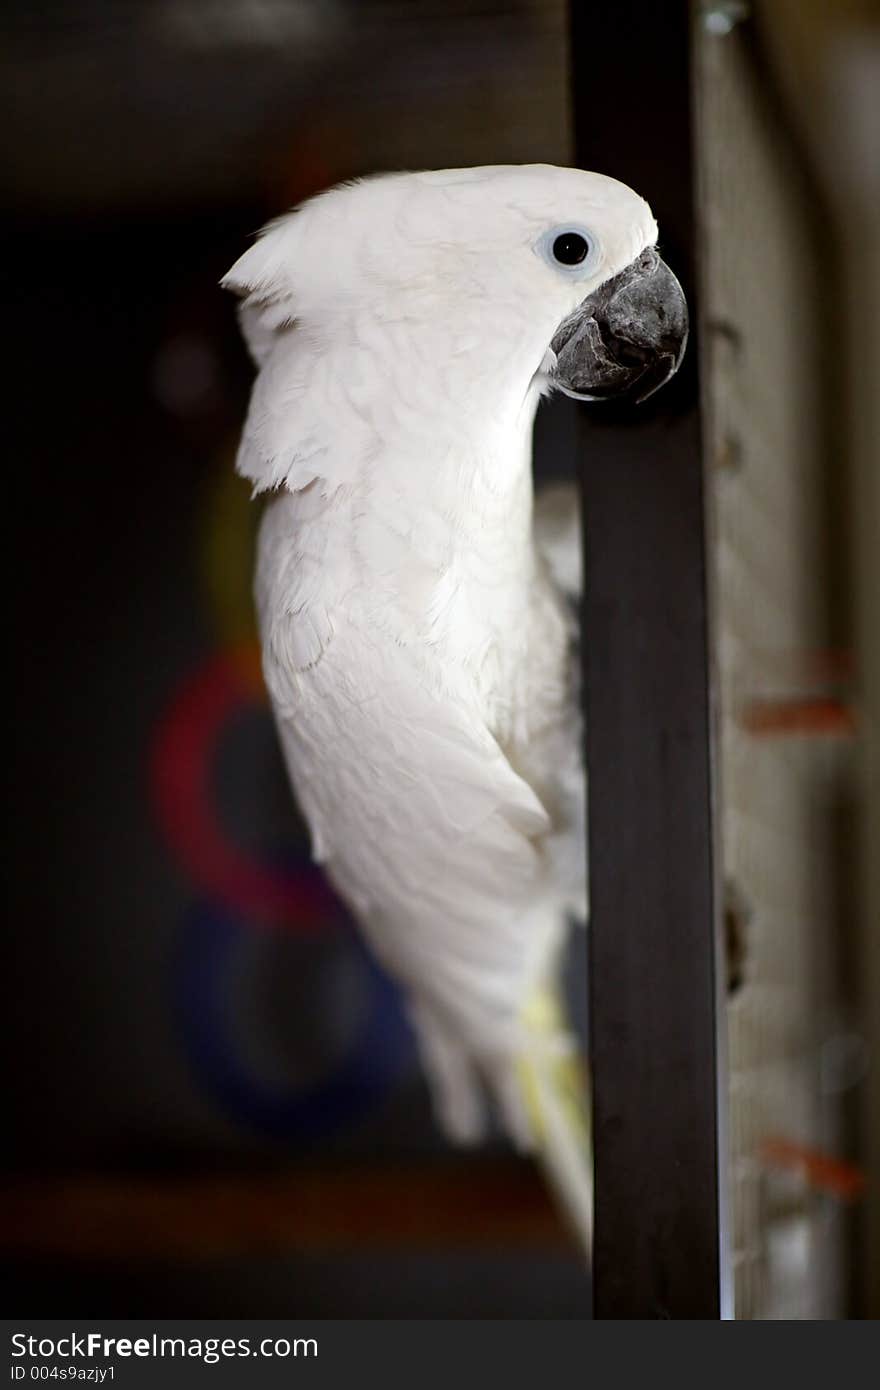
x=531 y=271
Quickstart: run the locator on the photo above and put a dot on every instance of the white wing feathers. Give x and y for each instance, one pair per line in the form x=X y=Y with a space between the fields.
x=428 y=832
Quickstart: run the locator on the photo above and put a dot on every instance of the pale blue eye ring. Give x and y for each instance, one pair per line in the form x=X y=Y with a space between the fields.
x=571 y=249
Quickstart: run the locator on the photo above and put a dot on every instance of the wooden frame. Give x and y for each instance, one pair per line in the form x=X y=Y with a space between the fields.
x=654 y=1006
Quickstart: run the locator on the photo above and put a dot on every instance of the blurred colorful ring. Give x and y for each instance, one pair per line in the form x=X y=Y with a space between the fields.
x=379 y=1053
x=181 y=762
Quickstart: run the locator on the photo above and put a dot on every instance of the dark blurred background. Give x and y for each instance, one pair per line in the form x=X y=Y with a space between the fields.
x=214 y=1103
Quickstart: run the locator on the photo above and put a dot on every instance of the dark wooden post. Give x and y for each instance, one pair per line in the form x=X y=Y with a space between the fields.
x=654 y=1012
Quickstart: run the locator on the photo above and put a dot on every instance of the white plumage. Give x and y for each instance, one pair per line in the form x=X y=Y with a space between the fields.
x=417 y=645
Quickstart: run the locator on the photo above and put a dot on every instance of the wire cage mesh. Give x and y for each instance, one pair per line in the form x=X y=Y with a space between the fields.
x=782 y=727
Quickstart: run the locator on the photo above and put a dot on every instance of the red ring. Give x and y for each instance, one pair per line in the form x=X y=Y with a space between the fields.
x=180 y=764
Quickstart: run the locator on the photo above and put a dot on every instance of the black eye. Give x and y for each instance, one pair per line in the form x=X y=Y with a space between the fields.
x=570 y=248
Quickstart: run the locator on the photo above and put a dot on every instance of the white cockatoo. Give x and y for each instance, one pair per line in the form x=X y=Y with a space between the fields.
x=417 y=643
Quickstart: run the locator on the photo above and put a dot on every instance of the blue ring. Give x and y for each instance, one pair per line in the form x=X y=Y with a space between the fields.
x=380 y=1054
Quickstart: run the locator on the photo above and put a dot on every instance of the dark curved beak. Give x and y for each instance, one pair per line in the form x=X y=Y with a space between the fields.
x=627 y=338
